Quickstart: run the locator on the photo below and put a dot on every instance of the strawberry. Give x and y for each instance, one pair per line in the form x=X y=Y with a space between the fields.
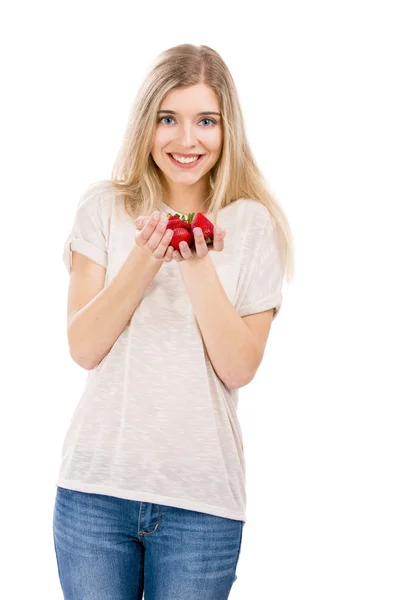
x=200 y=220
x=180 y=224
x=177 y=221
x=181 y=234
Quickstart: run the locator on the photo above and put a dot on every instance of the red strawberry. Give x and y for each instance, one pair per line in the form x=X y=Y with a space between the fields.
x=181 y=234
x=175 y=221
x=200 y=220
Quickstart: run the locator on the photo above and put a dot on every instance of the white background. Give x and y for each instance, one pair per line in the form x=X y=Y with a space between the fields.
x=319 y=87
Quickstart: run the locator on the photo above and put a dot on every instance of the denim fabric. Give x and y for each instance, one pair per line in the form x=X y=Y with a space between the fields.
x=110 y=548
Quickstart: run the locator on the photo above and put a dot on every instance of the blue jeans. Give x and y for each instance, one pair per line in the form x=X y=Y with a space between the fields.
x=111 y=548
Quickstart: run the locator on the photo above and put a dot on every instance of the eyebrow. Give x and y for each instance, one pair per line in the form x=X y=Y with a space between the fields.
x=206 y=112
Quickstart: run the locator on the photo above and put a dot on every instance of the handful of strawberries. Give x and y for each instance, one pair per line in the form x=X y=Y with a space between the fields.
x=183 y=229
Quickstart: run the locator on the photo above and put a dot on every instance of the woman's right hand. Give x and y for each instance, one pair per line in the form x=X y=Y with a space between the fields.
x=153 y=237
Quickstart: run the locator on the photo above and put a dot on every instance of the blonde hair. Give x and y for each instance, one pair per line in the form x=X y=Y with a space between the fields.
x=235 y=175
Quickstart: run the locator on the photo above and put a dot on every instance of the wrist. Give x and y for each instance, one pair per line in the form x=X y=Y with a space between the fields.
x=146 y=258
x=195 y=261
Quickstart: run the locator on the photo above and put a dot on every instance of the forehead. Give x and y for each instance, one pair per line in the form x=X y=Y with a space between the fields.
x=191 y=100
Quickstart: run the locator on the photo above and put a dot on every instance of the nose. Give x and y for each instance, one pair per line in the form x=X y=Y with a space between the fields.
x=187 y=135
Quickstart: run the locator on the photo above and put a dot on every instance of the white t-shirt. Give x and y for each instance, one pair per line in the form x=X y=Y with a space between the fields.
x=155 y=423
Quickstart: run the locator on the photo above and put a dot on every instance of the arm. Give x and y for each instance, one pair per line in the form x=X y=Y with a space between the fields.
x=233 y=351
x=94 y=328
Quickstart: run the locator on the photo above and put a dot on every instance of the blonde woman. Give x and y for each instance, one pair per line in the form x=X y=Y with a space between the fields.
x=151 y=488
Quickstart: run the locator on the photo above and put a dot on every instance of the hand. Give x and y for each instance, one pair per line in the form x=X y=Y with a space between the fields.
x=200 y=249
x=153 y=237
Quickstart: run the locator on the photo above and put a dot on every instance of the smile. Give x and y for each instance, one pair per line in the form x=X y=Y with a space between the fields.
x=186 y=165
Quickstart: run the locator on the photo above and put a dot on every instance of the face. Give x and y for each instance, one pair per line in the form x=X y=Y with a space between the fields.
x=181 y=130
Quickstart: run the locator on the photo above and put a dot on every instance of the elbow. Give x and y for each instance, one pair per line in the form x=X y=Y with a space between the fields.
x=79 y=354
x=239 y=382
x=88 y=366
x=243 y=377
x=82 y=361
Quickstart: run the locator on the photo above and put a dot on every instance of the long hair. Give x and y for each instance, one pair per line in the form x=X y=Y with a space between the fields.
x=135 y=176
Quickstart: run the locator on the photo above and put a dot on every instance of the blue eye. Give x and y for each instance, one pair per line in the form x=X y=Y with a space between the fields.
x=162 y=118
x=169 y=117
x=212 y=120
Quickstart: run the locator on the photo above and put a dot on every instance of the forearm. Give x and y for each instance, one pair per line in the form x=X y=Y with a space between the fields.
x=230 y=345
x=95 y=328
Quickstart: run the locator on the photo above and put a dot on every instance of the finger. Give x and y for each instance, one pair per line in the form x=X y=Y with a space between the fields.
x=141 y=221
x=176 y=255
x=168 y=257
x=149 y=225
x=200 y=242
x=218 y=242
x=155 y=233
x=186 y=252
x=163 y=238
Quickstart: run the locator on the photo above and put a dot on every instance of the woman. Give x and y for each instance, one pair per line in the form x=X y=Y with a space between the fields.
x=151 y=488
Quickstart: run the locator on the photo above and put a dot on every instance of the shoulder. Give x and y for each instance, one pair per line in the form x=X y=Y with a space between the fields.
x=97 y=199
x=99 y=193
x=255 y=213
x=95 y=208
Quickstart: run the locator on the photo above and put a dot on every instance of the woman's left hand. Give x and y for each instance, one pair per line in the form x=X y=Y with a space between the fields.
x=200 y=248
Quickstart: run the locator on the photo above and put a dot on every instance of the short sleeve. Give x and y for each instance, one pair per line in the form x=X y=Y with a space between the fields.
x=87 y=235
x=266 y=268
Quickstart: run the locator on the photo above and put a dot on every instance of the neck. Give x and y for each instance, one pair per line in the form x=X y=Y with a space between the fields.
x=187 y=199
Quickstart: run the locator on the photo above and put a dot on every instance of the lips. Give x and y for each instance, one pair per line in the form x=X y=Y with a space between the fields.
x=186 y=165
x=184 y=155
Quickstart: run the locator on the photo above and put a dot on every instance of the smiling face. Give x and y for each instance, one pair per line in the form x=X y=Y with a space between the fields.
x=182 y=130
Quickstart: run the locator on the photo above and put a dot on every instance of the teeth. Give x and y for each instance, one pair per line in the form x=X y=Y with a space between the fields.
x=184 y=160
